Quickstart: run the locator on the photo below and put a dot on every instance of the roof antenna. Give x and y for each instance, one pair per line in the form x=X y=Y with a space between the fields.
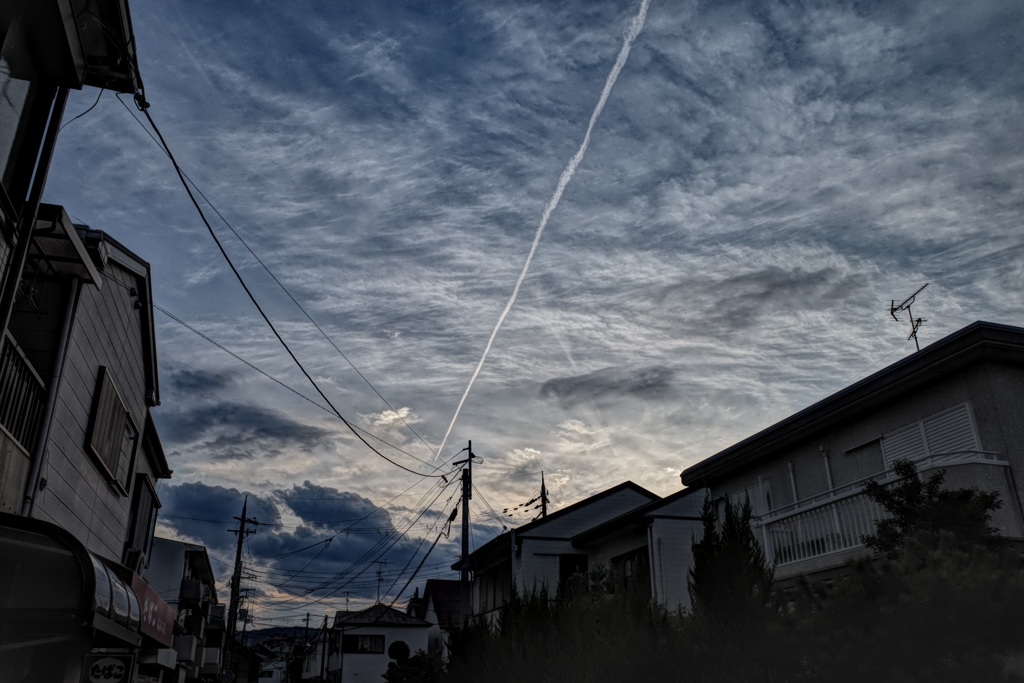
x=915 y=324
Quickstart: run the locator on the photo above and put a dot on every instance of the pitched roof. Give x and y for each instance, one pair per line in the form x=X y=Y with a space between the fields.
x=501 y=539
x=377 y=615
x=638 y=516
x=446 y=597
x=976 y=342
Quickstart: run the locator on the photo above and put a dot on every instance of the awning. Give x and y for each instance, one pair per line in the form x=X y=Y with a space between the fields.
x=57 y=248
x=53 y=590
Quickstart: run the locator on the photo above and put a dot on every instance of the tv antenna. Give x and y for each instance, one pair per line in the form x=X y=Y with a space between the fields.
x=915 y=323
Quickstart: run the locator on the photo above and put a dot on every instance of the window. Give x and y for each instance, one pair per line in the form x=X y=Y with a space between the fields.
x=571 y=568
x=24 y=109
x=358 y=644
x=140 y=535
x=113 y=435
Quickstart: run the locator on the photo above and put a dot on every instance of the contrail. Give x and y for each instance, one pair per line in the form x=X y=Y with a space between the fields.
x=631 y=33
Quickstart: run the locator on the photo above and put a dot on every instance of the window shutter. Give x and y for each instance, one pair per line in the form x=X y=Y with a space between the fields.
x=951 y=431
x=903 y=444
x=112 y=434
x=107 y=424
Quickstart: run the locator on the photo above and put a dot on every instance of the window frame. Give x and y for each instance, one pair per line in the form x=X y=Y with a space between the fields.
x=109 y=418
x=351 y=644
x=133 y=553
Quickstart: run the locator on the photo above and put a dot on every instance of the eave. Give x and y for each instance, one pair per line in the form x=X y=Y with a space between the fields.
x=972 y=344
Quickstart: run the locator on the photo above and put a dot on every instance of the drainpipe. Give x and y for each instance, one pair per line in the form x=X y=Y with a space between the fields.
x=650 y=559
x=30 y=210
x=56 y=379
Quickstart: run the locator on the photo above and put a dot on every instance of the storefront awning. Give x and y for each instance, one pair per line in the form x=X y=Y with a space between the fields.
x=53 y=590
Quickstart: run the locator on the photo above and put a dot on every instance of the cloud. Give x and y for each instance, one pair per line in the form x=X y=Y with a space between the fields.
x=615 y=383
x=235 y=430
x=195 y=382
x=312 y=542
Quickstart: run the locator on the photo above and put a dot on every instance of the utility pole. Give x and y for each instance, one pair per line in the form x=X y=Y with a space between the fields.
x=380 y=576
x=467 y=493
x=236 y=578
x=323 y=650
x=543 y=497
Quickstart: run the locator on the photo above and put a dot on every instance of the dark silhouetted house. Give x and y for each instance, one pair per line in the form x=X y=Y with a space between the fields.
x=633 y=535
x=440 y=606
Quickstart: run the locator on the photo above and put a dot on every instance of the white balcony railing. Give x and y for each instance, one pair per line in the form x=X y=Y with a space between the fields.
x=838 y=520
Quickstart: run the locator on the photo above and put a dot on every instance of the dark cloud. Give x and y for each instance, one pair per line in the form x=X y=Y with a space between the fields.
x=336 y=546
x=653 y=382
x=208 y=512
x=238 y=431
x=323 y=506
x=196 y=383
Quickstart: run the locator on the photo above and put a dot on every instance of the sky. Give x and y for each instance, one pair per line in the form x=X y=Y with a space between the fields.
x=718 y=248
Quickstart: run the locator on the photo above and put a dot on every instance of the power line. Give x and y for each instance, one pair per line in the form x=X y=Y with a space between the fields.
x=276 y=380
x=184 y=177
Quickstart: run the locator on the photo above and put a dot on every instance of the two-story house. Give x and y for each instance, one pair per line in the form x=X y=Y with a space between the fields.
x=956 y=405
x=359 y=642
x=79 y=454
x=80 y=458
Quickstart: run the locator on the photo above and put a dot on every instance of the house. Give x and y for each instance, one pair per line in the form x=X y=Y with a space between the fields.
x=360 y=641
x=80 y=458
x=440 y=606
x=651 y=546
x=955 y=405
x=637 y=536
x=181 y=573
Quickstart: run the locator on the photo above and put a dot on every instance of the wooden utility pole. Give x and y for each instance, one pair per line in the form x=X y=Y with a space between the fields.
x=323 y=651
x=236 y=579
x=543 y=497
x=467 y=493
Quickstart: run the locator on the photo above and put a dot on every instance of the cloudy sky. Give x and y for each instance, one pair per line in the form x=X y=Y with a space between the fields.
x=763 y=180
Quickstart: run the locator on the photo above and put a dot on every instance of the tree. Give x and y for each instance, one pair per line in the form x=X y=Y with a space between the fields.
x=924 y=513
x=417 y=668
x=730 y=580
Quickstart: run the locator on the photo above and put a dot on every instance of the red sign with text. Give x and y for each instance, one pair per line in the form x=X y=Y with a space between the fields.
x=157 y=617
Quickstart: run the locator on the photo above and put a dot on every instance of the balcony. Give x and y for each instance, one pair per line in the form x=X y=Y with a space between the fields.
x=22 y=395
x=820 y=532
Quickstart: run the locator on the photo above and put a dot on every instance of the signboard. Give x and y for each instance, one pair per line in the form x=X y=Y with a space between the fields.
x=107 y=668
x=157 y=617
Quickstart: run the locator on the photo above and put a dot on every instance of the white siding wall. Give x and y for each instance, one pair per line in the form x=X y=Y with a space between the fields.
x=370 y=667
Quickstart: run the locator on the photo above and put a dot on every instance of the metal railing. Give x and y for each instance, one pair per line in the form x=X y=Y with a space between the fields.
x=838 y=520
x=22 y=394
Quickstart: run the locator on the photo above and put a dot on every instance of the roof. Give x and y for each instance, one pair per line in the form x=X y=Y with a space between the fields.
x=377 y=615
x=501 y=539
x=637 y=517
x=105 y=248
x=446 y=597
x=72 y=42
x=972 y=344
